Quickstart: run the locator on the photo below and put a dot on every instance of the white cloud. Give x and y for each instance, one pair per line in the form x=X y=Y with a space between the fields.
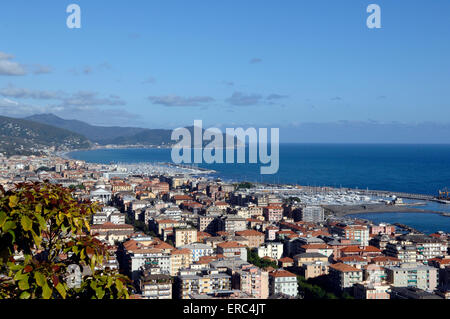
x=8 y=67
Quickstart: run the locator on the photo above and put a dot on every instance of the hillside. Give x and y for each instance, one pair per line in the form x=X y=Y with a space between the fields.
x=99 y=134
x=18 y=136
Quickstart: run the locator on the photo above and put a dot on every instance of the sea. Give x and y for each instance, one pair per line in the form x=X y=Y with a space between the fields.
x=421 y=169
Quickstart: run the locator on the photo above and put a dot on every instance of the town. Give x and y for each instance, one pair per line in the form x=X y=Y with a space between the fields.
x=179 y=234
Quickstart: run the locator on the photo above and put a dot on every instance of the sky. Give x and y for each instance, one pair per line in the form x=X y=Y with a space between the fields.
x=267 y=63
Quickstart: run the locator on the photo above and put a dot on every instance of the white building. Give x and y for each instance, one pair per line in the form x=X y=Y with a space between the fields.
x=271 y=249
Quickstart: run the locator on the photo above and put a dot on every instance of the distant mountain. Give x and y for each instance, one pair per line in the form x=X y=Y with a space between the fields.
x=114 y=135
x=98 y=134
x=18 y=136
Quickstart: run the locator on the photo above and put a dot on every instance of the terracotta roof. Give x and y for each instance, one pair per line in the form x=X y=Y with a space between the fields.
x=230 y=244
x=184 y=251
x=281 y=273
x=286 y=260
x=344 y=268
x=372 y=249
x=384 y=258
x=351 y=249
x=249 y=232
x=182 y=197
x=352 y=258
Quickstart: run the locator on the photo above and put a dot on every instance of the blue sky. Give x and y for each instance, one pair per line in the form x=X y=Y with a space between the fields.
x=158 y=63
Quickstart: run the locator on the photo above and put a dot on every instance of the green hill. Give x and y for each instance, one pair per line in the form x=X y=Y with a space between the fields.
x=18 y=136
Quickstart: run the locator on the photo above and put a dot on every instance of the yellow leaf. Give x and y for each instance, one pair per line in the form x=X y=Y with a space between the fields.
x=13 y=200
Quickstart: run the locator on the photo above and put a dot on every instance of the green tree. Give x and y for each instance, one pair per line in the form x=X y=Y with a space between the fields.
x=44 y=232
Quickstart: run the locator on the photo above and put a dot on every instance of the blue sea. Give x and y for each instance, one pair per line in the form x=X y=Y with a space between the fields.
x=426 y=223
x=422 y=169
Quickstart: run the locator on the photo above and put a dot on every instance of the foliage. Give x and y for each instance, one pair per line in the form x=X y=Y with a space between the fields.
x=253 y=258
x=311 y=291
x=245 y=185
x=44 y=230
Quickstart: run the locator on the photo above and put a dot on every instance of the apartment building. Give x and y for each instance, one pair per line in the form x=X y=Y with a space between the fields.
x=252 y=280
x=312 y=214
x=344 y=276
x=207 y=223
x=198 y=250
x=273 y=250
x=283 y=282
x=311 y=265
x=356 y=233
x=185 y=236
x=413 y=275
x=273 y=213
x=404 y=251
x=179 y=259
x=255 y=238
x=156 y=286
x=204 y=283
x=232 y=249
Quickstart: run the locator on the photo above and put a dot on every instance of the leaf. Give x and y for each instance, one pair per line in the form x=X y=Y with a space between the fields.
x=100 y=293
x=23 y=284
x=20 y=276
x=46 y=292
x=27 y=269
x=41 y=221
x=38 y=208
x=25 y=295
x=37 y=239
x=40 y=279
x=119 y=284
x=26 y=222
x=109 y=282
x=2 y=218
x=13 y=200
x=9 y=225
x=62 y=291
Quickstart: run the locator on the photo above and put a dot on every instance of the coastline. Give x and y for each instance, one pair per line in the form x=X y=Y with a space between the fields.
x=346 y=210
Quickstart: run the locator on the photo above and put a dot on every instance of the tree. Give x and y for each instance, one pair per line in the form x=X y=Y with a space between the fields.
x=44 y=235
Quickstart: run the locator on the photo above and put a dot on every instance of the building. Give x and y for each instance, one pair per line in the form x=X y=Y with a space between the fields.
x=232 y=223
x=111 y=233
x=404 y=251
x=411 y=293
x=426 y=247
x=312 y=214
x=344 y=276
x=156 y=286
x=204 y=283
x=273 y=213
x=311 y=265
x=255 y=238
x=179 y=259
x=357 y=233
x=232 y=249
x=273 y=250
x=100 y=193
x=207 y=224
x=140 y=258
x=198 y=250
x=413 y=275
x=252 y=281
x=283 y=282
x=368 y=290
x=185 y=236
